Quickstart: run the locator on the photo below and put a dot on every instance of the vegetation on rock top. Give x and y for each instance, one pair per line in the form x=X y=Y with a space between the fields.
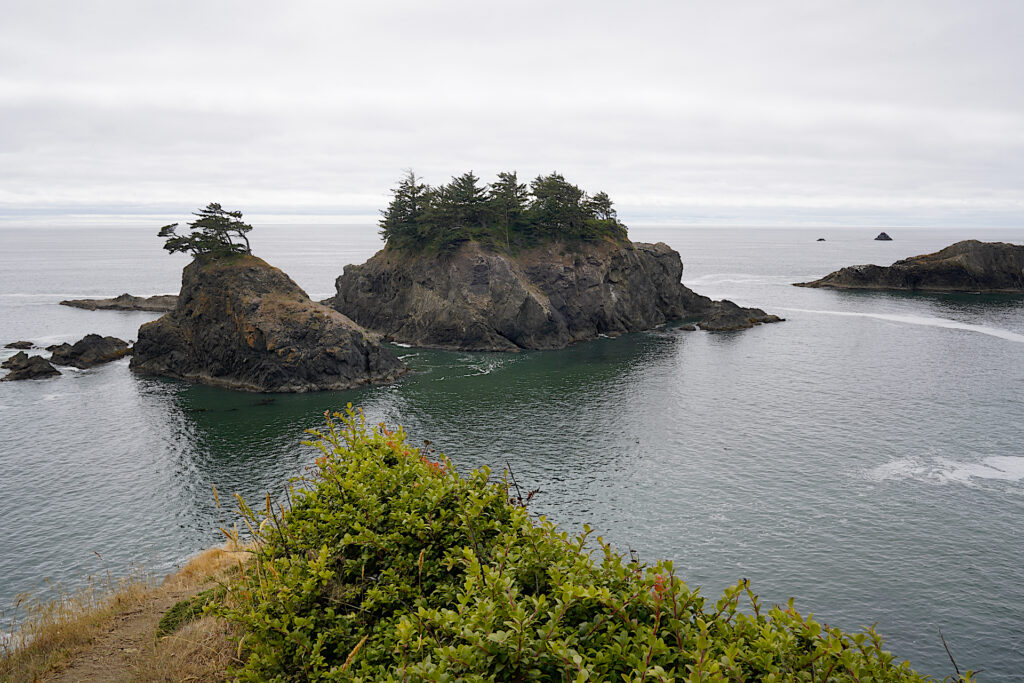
x=389 y=566
x=212 y=234
x=505 y=212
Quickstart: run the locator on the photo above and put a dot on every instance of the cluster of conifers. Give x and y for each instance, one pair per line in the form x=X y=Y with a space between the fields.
x=504 y=212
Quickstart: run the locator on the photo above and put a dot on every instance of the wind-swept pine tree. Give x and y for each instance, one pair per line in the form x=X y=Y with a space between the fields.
x=212 y=233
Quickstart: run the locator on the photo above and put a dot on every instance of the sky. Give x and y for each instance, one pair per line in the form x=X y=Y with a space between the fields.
x=860 y=112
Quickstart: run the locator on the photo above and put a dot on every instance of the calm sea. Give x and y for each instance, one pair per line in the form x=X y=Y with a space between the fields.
x=863 y=457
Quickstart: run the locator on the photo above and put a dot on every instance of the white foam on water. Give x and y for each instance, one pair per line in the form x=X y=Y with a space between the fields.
x=944 y=471
x=1000 y=467
x=737 y=279
x=922 y=320
x=904 y=468
x=404 y=346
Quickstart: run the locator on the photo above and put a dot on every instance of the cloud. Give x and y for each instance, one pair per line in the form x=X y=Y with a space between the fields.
x=733 y=111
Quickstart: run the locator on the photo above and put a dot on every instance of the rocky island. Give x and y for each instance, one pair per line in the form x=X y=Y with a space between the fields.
x=240 y=323
x=160 y=303
x=504 y=269
x=968 y=266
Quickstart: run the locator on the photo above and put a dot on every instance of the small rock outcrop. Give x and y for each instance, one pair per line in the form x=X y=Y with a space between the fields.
x=24 y=366
x=242 y=324
x=19 y=345
x=160 y=303
x=726 y=316
x=90 y=350
x=479 y=298
x=968 y=266
x=883 y=237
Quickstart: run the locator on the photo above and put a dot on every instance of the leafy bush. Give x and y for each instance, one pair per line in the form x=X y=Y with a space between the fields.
x=388 y=566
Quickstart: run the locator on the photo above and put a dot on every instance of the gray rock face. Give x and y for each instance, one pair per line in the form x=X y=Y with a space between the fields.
x=23 y=366
x=968 y=266
x=479 y=299
x=242 y=324
x=90 y=350
x=160 y=303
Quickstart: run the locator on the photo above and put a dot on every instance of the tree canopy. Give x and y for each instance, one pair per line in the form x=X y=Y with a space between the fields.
x=213 y=233
x=505 y=212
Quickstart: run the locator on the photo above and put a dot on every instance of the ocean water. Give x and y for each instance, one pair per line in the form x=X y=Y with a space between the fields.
x=864 y=457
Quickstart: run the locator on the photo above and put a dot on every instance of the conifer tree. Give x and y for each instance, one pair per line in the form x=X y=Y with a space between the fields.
x=213 y=233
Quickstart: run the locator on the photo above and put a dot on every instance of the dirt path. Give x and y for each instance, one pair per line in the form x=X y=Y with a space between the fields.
x=111 y=656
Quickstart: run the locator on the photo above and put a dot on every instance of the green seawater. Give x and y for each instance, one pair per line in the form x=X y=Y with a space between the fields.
x=863 y=457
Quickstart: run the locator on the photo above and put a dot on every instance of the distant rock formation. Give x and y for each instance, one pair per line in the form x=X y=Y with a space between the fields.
x=90 y=350
x=968 y=266
x=883 y=237
x=821 y=239
x=242 y=324
x=24 y=366
x=160 y=303
x=478 y=298
x=19 y=345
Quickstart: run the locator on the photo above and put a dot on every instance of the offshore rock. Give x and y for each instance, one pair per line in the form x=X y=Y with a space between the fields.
x=90 y=350
x=480 y=299
x=968 y=266
x=728 y=317
x=242 y=324
x=883 y=237
x=160 y=303
x=19 y=345
x=23 y=366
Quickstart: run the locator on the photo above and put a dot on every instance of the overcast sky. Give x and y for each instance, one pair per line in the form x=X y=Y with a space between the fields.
x=828 y=113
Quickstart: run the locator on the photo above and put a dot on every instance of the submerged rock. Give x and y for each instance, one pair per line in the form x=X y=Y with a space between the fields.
x=23 y=366
x=160 y=303
x=883 y=237
x=242 y=324
x=90 y=350
x=968 y=266
x=19 y=345
x=481 y=299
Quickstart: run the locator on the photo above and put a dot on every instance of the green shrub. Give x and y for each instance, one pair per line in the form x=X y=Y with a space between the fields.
x=388 y=566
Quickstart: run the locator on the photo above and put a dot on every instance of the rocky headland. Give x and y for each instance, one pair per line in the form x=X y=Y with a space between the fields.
x=242 y=324
x=547 y=297
x=968 y=266
x=160 y=303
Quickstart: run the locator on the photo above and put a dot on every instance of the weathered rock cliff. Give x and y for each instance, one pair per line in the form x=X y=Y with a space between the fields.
x=968 y=266
x=243 y=324
x=547 y=297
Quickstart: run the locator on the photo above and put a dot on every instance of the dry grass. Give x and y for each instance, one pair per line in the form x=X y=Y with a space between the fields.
x=50 y=634
x=199 y=652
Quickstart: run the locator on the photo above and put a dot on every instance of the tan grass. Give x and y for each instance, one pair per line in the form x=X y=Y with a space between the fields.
x=198 y=652
x=49 y=633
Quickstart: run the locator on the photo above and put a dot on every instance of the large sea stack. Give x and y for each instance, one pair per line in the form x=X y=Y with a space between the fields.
x=968 y=266
x=480 y=298
x=242 y=324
